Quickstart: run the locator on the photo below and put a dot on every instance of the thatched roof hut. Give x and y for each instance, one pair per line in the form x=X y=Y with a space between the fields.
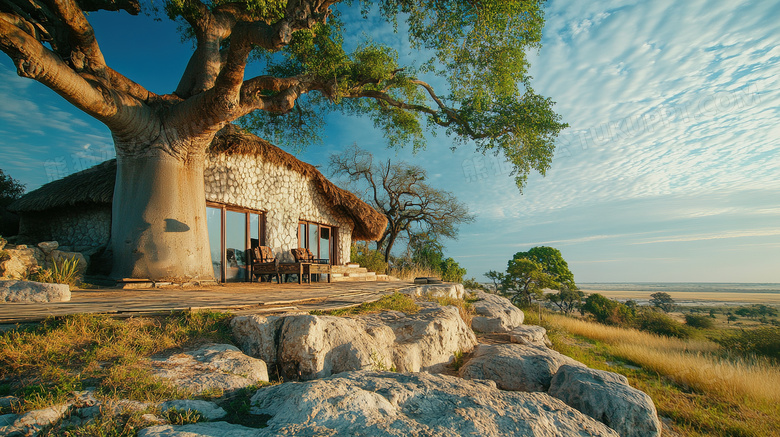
x=95 y=185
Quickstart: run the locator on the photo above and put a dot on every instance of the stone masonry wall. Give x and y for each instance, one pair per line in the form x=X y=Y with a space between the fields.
x=285 y=195
x=78 y=227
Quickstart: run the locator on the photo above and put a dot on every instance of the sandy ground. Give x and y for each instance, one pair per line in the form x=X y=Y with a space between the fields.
x=695 y=298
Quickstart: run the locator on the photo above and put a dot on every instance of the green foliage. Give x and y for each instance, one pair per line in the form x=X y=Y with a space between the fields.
x=661 y=324
x=175 y=416
x=756 y=311
x=472 y=284
x=372 y=259
x=497 y=278
x=599 y=306
x=662 y=301
x=10 y=189
x=703 y=322
x=63 y=271
x=479 y=49
x=764 y=341
x=529 y=273
x=458 y=359
x=567 y=300
x=451 y=271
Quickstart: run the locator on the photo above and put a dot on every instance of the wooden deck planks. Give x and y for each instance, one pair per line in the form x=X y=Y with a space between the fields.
x=243 y=298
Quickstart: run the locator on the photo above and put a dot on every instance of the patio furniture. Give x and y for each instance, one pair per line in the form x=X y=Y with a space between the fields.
x=264 y=263
x=308 y=265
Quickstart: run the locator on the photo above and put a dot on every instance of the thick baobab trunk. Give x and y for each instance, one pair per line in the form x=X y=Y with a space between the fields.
x=158 y=227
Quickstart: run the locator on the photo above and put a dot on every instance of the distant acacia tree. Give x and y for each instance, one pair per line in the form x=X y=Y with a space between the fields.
x=567 y=300
x=662 y=301
x=529 y=273
x=497 y=278
x=399 y=191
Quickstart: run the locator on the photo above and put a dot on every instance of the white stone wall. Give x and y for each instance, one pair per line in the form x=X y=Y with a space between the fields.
x=285 y=195
x=78 y=227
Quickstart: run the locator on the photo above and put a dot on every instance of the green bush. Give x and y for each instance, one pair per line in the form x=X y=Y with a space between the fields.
x=694 y=321
x=764 y=341
x=661 y=324
x=372 y=259
x=451 y=271
x=472 y=284
x=608 y=311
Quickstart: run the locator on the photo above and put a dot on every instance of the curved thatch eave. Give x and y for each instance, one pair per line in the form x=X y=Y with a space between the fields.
x=369 y=223
x=95 y=185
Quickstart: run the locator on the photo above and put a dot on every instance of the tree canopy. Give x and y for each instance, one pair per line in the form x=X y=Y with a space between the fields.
x=10 y=189
x=529 y=273
x=478 y=49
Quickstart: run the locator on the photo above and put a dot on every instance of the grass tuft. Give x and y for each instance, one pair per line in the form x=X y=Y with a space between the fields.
x=392 y=302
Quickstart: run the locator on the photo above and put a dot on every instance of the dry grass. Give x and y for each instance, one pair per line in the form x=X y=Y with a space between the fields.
x=409 y=273
x=44 y=365
x=616 y=335
x=392 y=302
x=689 y=363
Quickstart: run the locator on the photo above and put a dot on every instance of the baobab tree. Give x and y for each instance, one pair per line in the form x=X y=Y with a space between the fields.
x=159 y=216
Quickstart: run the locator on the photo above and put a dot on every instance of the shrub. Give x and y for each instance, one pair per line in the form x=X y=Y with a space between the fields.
x=451 y=271
x=371 y=259
x=661 y=324
x=763 y=341
x=64 y=271
x=608 y=311
x=694 y=321
x=472 y=284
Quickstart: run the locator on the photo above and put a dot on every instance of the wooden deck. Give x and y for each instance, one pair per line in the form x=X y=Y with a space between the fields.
x=238 y=298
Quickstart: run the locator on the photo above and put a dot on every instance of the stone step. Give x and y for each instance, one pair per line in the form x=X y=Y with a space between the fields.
x=387 y=278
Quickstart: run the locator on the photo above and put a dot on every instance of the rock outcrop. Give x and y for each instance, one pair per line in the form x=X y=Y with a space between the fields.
x=607 y=397
x=309 y=346
x=515 y=367
x=454 y=291
x=32 y=292
x=220 y=367
x=393 y=404
x=495 y=314
x=530 y=334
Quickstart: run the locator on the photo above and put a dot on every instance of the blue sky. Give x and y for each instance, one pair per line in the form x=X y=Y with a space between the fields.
x=670 y=170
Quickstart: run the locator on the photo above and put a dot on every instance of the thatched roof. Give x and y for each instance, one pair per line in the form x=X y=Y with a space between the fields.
x=95 y=185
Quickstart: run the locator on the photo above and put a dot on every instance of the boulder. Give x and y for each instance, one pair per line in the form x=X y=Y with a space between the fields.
x=208 y=410
x=396 y=404
x=48 y=246
x=33 y=292
x=454 y=291
x=58 y=256
x=308 y=346
x=21 y=260
x=515 y=367
x=495 y=314
x=212 y=367
x=530 y=334
x=607 y=397
x=32 y=422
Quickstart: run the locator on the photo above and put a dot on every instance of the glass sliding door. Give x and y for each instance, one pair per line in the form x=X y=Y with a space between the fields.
x=233 y=234
x=235 y=246
x=325 y=243
x=317 y=238
x=214 y=225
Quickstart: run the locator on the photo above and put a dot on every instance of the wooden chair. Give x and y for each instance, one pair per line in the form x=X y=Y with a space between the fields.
x=309 y=264
x=264 y=263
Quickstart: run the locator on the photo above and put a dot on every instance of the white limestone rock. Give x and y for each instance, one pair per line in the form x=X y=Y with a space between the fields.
x=30 y=423
x=308 y=346
x=208 y=410
x=607 y=397
x=21 y=261
x=211 y=367
x=495 y=314
x=515 y=367
x=454 y=291
x=396 y=404
x=48 y=246
x=33 y=292
x=530 y=334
